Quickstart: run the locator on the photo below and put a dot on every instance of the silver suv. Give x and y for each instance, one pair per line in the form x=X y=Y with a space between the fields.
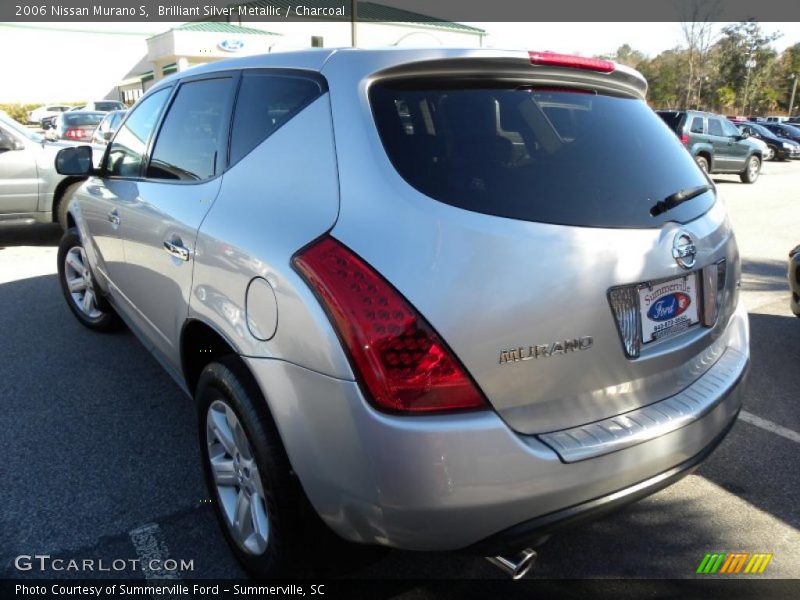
x=431 y=299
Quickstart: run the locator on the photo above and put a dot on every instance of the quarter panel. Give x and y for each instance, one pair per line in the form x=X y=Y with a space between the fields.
x=277 y=199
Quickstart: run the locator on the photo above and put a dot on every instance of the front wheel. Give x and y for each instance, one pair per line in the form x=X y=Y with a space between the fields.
x=79 y=287
x=751 y=170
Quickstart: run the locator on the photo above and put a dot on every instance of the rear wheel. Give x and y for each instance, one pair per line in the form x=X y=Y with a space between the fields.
x=751 y=170
x=247 y=471
x=79 y=287
x=702 y=163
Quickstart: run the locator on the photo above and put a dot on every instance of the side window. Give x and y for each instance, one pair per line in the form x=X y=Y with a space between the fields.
x=191 y=143
x=126 y=152
x=729 y=128
x=714 y=127
x=5 y=139
x=265 y=102
x=697 y=125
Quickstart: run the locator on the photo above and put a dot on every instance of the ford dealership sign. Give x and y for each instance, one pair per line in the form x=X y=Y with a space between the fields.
x=231 y=45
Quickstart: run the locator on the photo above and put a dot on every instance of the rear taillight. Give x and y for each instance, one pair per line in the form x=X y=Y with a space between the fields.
x=404 y=364
x=685 y=139
x=74 y=133
x=553 y=59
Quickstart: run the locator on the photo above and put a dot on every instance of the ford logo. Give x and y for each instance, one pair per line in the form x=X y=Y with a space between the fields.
x=669 y=306
x=231 y=45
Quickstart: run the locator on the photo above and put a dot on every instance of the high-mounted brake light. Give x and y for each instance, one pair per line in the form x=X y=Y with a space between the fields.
x=404 y=364
x=553 y=59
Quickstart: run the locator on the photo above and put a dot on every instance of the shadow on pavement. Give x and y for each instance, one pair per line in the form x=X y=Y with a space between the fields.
x=763 y=275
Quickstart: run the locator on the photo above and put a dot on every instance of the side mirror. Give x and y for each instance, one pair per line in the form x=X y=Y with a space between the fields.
x=76 y=160
x=744 y=135
x=46 y=125
x=107 y=135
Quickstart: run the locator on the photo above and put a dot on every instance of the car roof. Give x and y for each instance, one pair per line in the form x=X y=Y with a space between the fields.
x=364 y=62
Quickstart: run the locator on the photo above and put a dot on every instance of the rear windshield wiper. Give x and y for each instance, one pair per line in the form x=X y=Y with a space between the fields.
x=677 y=198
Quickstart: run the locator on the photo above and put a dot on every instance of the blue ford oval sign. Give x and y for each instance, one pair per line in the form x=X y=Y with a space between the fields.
x=231 y=45
x=669 y=306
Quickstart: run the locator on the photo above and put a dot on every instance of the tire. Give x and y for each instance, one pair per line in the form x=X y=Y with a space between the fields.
x=702 y=163
x=252 y=463
x=775 y=156
x=73 y=269
x=752 y=169
x=63 y=204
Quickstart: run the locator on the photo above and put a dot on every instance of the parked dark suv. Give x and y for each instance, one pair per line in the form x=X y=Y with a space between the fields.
x=716 y=144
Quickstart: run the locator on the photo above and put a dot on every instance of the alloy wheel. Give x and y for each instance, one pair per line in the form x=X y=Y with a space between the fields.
x=240 y=491
x=79 y=282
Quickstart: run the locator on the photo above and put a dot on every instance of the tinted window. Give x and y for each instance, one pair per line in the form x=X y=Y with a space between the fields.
x=672 y=119
x=192 y=140
x=265 y=102
x=543 y=155
x=107 y=106
x=714 y=127
x=126 y=152
x=729 y=128
x=697 y=125
x=80 y=120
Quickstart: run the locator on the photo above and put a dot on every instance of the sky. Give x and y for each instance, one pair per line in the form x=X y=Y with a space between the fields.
x=603 y=38
x=52 y=67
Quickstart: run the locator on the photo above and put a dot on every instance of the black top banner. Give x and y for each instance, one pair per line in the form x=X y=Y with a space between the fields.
x=398 y=10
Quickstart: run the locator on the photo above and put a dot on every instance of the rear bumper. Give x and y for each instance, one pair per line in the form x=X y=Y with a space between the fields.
x=535 y=531
x=465 y=481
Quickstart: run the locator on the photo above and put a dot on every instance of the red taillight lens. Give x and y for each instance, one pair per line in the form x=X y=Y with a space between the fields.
x=404 y=364
x=685 y=139
x=553 y=59
x=70 y=133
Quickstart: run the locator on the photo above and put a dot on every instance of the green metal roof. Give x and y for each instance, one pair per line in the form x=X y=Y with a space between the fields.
x=372 y=12
x=216 y=27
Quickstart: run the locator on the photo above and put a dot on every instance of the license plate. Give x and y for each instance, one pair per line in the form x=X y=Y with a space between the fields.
x=668 y=307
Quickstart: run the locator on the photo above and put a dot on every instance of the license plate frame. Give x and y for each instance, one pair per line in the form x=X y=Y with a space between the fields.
x=668 y=307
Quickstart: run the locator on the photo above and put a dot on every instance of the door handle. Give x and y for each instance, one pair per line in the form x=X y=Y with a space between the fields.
x=113 y=218
x=176 y=248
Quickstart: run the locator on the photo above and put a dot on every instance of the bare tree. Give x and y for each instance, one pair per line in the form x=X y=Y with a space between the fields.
x=697 y=25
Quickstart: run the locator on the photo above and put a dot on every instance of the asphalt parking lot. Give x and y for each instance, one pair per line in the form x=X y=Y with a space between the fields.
x=100 y=456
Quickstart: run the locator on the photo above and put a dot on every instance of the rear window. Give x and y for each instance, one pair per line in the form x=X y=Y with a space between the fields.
x=80 y=120
x=536 y=154
x=672 y=119
x=107 y=106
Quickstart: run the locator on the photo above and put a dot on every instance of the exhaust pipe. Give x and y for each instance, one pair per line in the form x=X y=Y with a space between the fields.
x=516 y=565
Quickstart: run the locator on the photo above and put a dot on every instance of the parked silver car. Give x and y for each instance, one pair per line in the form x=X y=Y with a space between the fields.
x=436 y=299
x=31 y=190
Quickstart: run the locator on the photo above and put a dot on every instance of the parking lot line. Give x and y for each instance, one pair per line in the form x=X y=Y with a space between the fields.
x=152 y=551
x=770 y=426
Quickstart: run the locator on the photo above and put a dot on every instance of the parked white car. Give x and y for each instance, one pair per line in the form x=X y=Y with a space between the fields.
x=49 y=110
x=766 y=150
x=31 y=191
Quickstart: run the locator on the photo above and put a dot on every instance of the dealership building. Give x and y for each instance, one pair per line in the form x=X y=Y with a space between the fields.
x=117 y=61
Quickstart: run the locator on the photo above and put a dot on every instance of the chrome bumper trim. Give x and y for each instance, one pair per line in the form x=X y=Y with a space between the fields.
x=652 y=421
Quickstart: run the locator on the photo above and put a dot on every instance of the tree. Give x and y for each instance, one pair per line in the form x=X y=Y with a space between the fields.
x=698 y=33
x=745 y=60
x=625 y=55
